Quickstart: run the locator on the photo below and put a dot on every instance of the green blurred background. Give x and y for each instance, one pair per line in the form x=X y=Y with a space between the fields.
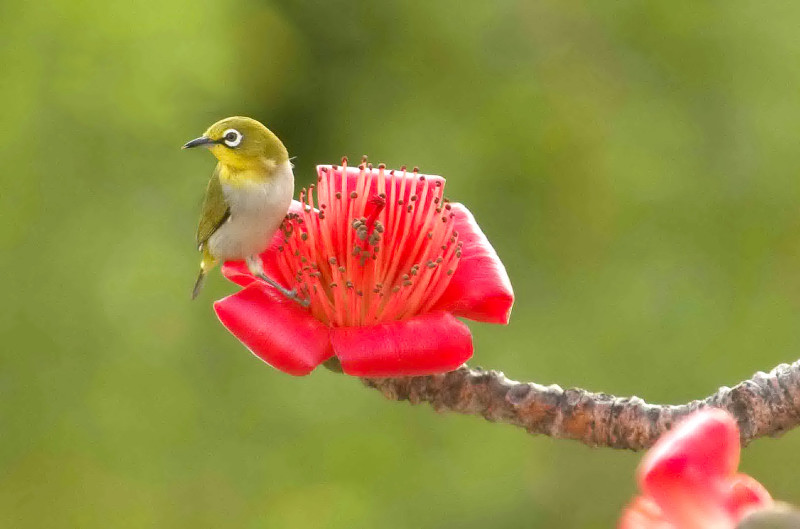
x=634 y=163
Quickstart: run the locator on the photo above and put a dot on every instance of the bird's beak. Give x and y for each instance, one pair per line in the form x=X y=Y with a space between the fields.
x=197 y=142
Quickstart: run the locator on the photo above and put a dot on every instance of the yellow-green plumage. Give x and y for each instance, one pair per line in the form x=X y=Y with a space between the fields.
x=215 y=212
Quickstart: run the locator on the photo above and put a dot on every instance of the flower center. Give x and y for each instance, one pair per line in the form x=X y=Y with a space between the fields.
x=372 y=245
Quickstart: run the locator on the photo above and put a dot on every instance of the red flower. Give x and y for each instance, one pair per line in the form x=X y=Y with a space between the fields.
x=387 y=264
x=689 y=479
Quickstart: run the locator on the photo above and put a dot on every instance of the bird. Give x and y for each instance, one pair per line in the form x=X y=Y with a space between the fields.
x=246 y=199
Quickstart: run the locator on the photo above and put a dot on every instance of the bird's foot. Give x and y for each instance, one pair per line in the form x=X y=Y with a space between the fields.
x=290 y=294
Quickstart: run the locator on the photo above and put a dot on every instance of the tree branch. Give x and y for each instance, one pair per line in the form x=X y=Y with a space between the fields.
x=766 y=404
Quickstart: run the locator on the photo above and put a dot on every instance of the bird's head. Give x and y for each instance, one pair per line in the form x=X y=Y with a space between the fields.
x=242 y=143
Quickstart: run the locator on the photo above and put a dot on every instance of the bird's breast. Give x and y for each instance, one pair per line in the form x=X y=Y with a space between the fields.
x=257 y=206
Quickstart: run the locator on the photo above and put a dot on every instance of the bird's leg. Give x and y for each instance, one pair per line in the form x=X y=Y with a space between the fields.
x=257 y=269
x=291 y=294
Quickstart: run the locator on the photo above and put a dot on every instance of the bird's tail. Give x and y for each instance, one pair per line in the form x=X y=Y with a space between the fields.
x=198 y=284
x=206 y=264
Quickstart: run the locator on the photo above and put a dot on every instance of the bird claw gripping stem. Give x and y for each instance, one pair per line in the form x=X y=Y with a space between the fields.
x=290 y=294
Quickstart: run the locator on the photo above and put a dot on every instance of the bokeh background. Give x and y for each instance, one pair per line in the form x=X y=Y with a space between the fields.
x=635 y=164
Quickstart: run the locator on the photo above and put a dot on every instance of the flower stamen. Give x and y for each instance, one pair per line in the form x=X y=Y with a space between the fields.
x=386 y=253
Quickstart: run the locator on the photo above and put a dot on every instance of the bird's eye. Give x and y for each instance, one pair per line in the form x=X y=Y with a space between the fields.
x=232 y=137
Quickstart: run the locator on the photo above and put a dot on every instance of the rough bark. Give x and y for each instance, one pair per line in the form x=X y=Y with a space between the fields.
x=768 y=404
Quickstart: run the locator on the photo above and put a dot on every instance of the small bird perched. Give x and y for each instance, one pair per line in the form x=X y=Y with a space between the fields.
x=247 y=197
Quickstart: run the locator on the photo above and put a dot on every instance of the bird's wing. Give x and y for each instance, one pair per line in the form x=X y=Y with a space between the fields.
x=215 y=210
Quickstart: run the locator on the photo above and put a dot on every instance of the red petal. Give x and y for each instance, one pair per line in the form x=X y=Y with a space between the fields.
x=746 y=495
x=435 y=342
x=480 y=289
x=237 y=272
x=351 y=178
x=275 y=329
x=643 y=513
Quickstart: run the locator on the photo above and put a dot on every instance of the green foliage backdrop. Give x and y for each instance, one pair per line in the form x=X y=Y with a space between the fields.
x=634 y=163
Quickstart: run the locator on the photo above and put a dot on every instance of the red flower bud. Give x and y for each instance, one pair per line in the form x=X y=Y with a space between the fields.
x=689 y=479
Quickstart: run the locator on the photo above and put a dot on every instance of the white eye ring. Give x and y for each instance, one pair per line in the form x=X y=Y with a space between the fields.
x=232 y=137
